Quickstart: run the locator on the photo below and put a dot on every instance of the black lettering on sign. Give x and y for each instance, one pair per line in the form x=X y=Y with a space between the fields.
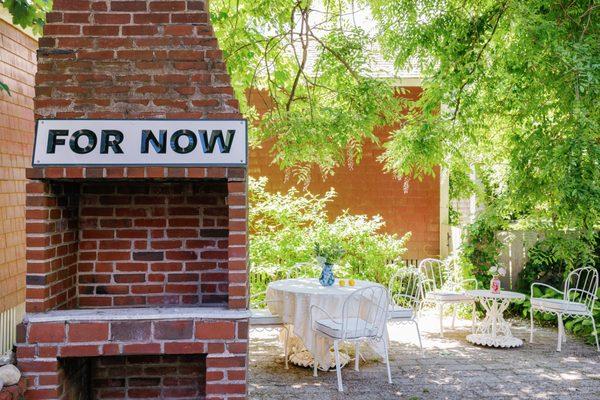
x=106 y=142
x=192 y=141
x=159 y=145
x=208 y=144
x=53 y=139
x=74 y=142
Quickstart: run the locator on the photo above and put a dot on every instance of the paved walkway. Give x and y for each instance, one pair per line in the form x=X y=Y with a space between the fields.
x=450 y=369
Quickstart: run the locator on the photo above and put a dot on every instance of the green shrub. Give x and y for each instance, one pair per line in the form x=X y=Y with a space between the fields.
x=551 y=259
x=284 y=228
x=481 y=247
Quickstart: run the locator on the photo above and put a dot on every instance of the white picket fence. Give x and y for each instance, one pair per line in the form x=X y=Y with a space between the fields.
x=9 y=320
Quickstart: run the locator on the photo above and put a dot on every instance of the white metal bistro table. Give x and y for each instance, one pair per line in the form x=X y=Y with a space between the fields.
x=292 y=299
x=494 y=330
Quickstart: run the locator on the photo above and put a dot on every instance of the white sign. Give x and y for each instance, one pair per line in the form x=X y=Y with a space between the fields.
x=86 y=142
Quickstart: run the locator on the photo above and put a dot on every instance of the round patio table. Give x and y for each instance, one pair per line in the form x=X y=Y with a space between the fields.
x=494 y=330
x=292 y=300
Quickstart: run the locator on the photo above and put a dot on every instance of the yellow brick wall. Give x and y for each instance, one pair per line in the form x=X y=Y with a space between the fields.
x=17 y=70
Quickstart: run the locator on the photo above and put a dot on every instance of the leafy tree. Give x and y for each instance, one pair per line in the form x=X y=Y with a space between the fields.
x=510 y=93
x=311 y=66
x=27 y=14
x=518 y=84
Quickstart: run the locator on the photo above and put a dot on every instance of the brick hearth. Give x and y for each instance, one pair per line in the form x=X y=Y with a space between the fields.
x=59 y=339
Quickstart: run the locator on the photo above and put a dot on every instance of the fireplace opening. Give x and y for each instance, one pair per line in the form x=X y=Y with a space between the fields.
x=121 y=244
x=137 y=377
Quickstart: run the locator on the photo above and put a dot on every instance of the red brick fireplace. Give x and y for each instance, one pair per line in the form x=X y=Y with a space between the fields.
x=136 y=276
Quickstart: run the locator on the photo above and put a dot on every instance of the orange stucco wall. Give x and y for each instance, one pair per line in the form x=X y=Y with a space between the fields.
x=366 y=189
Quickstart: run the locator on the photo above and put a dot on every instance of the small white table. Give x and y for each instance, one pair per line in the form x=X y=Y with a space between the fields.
x=292 y=299
x=494 y=330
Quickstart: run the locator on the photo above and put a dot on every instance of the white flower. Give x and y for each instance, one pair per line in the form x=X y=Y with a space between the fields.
x=493 y=270
x=502 y=271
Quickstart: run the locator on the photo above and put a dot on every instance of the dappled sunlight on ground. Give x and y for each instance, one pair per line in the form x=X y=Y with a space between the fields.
x=451 y=368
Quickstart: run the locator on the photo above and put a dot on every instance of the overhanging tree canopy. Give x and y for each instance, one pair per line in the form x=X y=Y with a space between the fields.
x=510 y=90
x=519 y=82
x=312 y=65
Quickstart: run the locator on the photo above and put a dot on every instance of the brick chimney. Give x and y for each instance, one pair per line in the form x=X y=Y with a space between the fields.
x=131 y=59
x=136 y=276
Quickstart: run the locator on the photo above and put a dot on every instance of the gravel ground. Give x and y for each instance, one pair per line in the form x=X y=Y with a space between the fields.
x=451 y=368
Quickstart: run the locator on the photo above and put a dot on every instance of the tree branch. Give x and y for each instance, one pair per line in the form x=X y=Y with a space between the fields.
x=304 y=42
x=479 y=55
x=337 y=56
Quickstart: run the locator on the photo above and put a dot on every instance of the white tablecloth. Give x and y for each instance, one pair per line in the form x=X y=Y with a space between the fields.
x=292 y=299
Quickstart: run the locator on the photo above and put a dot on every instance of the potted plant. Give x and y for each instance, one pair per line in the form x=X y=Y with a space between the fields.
x=328 y=254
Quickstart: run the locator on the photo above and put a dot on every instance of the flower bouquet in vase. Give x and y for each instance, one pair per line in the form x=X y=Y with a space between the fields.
x=327 y=254
x=495 y=283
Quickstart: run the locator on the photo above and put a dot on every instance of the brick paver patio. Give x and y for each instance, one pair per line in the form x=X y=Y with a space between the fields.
x=450 y=369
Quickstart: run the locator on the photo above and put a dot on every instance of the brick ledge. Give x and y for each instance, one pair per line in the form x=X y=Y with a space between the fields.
x=133 y=172
x=119 y=314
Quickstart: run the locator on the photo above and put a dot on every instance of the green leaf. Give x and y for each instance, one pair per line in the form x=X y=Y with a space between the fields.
x=27 y=13
x=569 y=325
x=4 y=87
x=548 y=317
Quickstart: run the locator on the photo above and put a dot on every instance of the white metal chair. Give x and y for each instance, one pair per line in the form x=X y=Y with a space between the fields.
x=262 y=319
x=578 y=299
x=404 y=291
x=442 y=285
x=364 y=317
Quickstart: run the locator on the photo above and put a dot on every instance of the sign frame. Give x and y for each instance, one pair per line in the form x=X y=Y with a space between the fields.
x=243 y=164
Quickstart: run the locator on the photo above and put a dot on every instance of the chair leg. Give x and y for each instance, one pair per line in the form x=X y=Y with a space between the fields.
x=357 y=355
x=560 y=332
x=595 y=332
x=387 y=360
x=453 y=315
x=285 y=346
x=441 y=311
x=315 y=362
x=338 y=369
x=531 y=328
x=419 y=336
x=473 y=315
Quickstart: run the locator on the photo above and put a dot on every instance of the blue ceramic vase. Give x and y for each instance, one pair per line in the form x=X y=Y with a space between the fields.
x=327 y=277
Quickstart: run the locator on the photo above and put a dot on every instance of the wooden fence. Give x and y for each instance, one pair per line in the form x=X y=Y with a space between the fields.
x=513 y=255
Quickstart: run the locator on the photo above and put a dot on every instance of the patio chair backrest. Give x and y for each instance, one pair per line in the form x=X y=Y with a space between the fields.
x=435 y=274
x=581 y=286
x=369 y=308
x=404 y=288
